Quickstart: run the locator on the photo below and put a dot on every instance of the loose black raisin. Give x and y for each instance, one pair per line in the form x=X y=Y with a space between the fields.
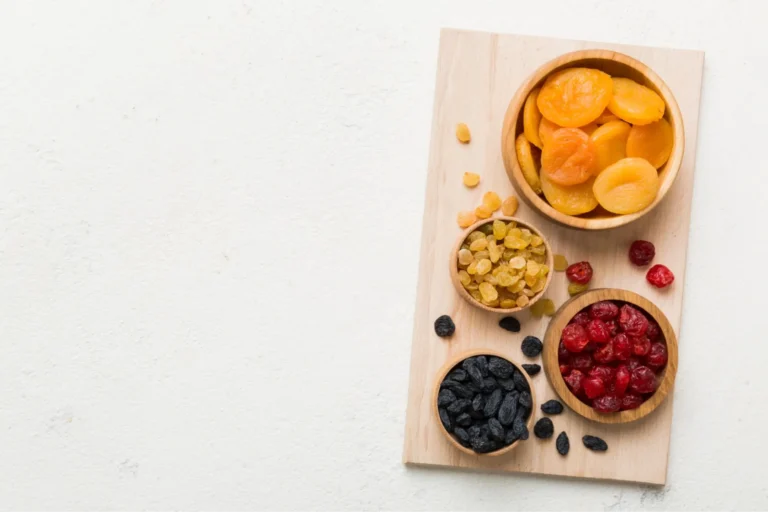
x=444 y=326
x=459 y=389
x=526 y=400
x=463 y=420
x=478 y=404
x=473 y=371
x=445 y=419
x=552 y=407
x=492 y=404
x=489 y=384
x=520 y=428
x=510 y=323
x=520 y=383
x=506 y=384
x=531 y=346
x=508 y=408
x=562 y=444
x=461 y=435
x=445 y=397
x=510 y=438
x=458 y=375
x=531 y=369
x=459 y=406
x=595 y=443
x=496 y=430
x=482 y=363
x=543 y=429
x=501 y=368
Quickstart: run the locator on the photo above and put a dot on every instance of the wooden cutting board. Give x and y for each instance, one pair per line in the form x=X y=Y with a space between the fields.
x=477 y=75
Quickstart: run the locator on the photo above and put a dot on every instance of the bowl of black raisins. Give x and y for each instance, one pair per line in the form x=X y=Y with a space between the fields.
x=483 y=403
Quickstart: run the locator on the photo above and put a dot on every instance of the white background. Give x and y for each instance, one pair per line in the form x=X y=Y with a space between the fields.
x=210 y=216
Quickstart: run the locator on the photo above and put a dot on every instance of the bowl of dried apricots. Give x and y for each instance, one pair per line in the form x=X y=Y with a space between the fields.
x=593 y=139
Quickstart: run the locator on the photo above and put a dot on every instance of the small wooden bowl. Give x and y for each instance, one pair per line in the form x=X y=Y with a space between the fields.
x=454 y=268
x=552 y=366
x=615 y=64
x=441 y=376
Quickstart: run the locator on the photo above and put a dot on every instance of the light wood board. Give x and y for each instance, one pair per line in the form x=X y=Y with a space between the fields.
x=477 y=75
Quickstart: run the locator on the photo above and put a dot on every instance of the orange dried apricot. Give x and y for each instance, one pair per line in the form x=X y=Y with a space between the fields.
x=575 y=97
x=532 y=119
x=635 y=103
x=589 y=129
x=610 y=142
x=606 y=117
x=573 y=200
x=527 y=163
x=628 y=186
x=651 y=141
x=569 y=158
x=546 y=129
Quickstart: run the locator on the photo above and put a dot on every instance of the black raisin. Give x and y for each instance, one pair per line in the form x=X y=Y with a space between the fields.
x=510 y=438
x=508 y=408
x=595 y=443
x=506 y=384
x=500 y=368
x=531 y=346
x=458 y=375
x=485 y=430
x=552 y=407
x=562 y=444
x=531 y=369
x=510 y=323
x=484 y=445
x=474 y=388
x=478 y=404
x=463 y=420
x=459 y=406
x=525 y=400
x=459 y=389
x=520 y=428
x=444 y=326
x=461 y=435
x=489 y=384
x=482 y=364
x=496 y=431
x=445 y=397
x=522 y=412
x=473 y=431
x=520 y=383
x=492 y=404
x=445 y=419
x=543 y=429
x=473 y=371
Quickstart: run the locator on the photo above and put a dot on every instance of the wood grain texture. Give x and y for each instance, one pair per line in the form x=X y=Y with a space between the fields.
x=477 y=75
x=552 y=366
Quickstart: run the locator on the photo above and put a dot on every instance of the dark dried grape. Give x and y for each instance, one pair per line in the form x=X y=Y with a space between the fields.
x=492 y=404
x=483 y=445
x=574 y=337
x=489 y=384
x=632 y=321
x=551 y=407
x=473 y=371
x=641 y=252
x=562 y=444
x=445 y=419
x=478 y=404
x=444 y=326
x=510 y=438
x=531 y=369
x=544 y=428
x=531 y=346
x=459 y=406
x=507 y=384
x=458 y=375
x=445 y=397
x=500 y=368
x=496 y=430
x=459 y=389
x=510 y=323
x=603 y=310
x=461 y=435
x=580 y=272
x=594 y=443
x=482 y=364
x=508 y=408
x=463 y=420
x=520 y=383
x=525 y=400
x=520 y=428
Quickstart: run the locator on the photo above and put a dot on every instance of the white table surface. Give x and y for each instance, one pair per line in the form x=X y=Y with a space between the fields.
x=209 y=229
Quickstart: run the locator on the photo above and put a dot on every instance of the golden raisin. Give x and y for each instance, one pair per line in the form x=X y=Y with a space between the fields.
x=489 y=292
x=522 y=301
x=576 y=288
x=464 y=277
x=560 y=262
x=466 y=219
x=509 y=206
x=471 y=179
x=478 y=245
x=507 y=304
x=484 y=266
x=462 y=133
x=491 y=201
x=483 y=212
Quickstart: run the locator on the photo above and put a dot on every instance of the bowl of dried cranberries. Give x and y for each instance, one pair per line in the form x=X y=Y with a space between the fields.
x=611 y=355
x=593 y=139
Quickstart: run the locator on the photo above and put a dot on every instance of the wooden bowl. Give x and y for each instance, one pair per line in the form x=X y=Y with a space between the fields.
x=441 y=376
x=552 y=366
x=454 y=269
x=615 y=64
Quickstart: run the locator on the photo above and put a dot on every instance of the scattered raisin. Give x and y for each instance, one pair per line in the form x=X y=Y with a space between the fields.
x=594 y=443
x=510 y=323
x=462 y=133
x=544 y=428
x=576 y=288
x=445 y=397
x=509 y=206
x=471 y=179
x=560 y=262
x=552 y=407
x=641 y=252
x=660 y=276
x=531 y=369
x=562 y=444
x=580 y=272
x=531 y=346
x=444 y=326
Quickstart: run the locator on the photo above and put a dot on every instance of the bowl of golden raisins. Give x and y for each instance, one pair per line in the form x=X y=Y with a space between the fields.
x=593 y=139
x=501 y=265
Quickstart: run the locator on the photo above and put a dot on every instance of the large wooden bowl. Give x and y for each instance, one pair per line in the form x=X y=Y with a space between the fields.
x=441 y=376
x=615 y=64
x=454 y=268
x=552 y=366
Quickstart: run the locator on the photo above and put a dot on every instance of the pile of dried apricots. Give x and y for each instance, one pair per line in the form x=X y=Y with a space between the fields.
x=601 y=138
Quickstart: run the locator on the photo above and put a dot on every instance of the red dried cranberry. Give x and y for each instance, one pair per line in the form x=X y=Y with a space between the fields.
x=654 y=331
x=563 y=355
x=580 y=272
x=622 y=377
x=574 y=337
x=607 y=403
x=632 y=321
x=660 y=276
x=613 y=327
x=603 y=310
x=574 y=381
x=605 y=373
x=622 y=347
x=631 y=402
x=564 y=369
x=604 y=354
x=643 y=380
x=641 y=252
x=582 y=362
x=590 y=347
x=641 y=345
x=657 y=357
x=598 y=331
x=593 y=387
x=581 y=318
x=633 y=363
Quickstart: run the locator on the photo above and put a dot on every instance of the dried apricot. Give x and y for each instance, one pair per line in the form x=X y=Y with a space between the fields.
x=606 y=117
x=546 y=129
x=575 y=97
x=627 y=186
x=527 y=164
x=532 y=118
x=610 y=142
x=509 y=206
x=466 y=219
x=492 y=201
x=462 y=133
x=635 y=103
x=651 y=141
x=573 y=200
x=471 y=179
x=569 y=158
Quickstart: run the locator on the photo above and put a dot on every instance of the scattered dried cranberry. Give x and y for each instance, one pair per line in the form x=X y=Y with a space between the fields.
x=580 y=272
x=641 y=252
x=622 y=347
x=593 y=387
x=643 y=380
x=574 y=381
x=607 y=403
x=621 y=380
x=598 y=331
x=564 y=369
x=603 y=310
x=603 y=372
x=604 y=354
x=574 y=337
x=582 y=362
x=613 y=327
x=632 y=321
x=631 y=402
x=581 y=318
x=660 y=276
x=657 y=357
x=654 y=331
x=641 y=345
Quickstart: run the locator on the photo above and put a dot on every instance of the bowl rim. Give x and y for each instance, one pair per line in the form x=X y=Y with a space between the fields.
x=443 y=372
x=552 y=365
x=514 y=110
x=454 y=270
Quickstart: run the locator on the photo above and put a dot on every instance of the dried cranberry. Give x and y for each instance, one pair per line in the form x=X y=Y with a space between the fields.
x=563 y=355
x=602 y=371
x=621 y=379
x=643 y=380
x=632 y=321
x=604 y=310
x=593 y=387
x=660 y=276
x=590 y=347
x=607 y=403
x=604 y=354
x=633 y=363
x=581 y=318
x=654 y=331
x=598 y=331
x=613 y=327
x=631 y=402
x=574 y=337
x=574 y=381
x=582 y=362
x=622 y=347
x=641 y=252
x=580 y=272
x=564 y=369
x=657 y=356
x=641 y=345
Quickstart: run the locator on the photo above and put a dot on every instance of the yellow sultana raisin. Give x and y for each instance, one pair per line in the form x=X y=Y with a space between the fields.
x=522 y=301
x=483 y=212
x=462 y=133
x=484 y=266
x=489 y=292
x=509 y=206
x=478 y=245
x=492 y=201
x=475 y=235
x=507 y=304
x=465 y=257
x=576 y=288
x=499 y=229
x=471 y=179
x=560 y=263
x=466 y=219
x=464 y=277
